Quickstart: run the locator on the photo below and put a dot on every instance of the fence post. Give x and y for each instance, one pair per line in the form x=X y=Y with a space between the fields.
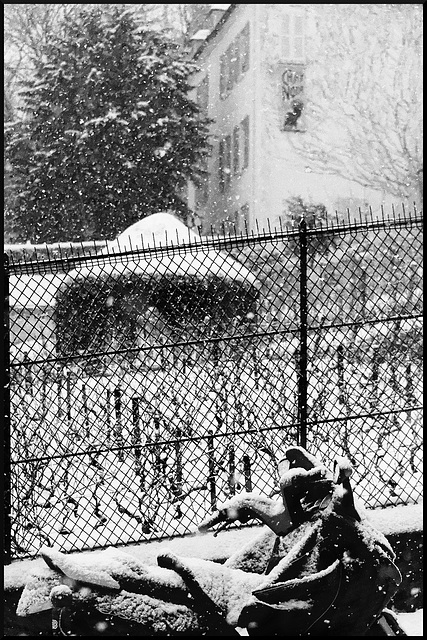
x=136 y=441
x=108 y=414
x=247 y=472
x=211 y=475
x=44 y=391
x=28 y=374
x=231 y=471
x=302 y=369
x=340 y=374
x=68 y=394
x=59 y=392
x=6 y=418
x=256 y=366
x=394 y=385
x=157 y=457
x=178 y=460
x=409 y=390
x=85 y=410
x=118 y=423
x=375 y=378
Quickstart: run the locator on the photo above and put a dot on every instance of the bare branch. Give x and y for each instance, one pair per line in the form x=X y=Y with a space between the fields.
x=364 y=113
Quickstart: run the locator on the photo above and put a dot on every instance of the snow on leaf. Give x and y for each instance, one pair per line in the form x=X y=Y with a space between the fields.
x=92 y=74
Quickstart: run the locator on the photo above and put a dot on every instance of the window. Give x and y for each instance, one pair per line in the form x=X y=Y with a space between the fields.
x=221 y=165
x=225 y=163
x=244 y=48
x=286 y=37
x=223 y=76
x=233 y=154
x=203 y=94
x=298 y=37
x=236 y=150
x=245 y=134
x=229 y=70
x=292 y=37
x=292 y=97
x=241 y=146
x=203 y=188
x=234 y=63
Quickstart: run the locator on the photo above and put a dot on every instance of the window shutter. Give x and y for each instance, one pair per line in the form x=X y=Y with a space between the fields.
x=298 y=37
x=236 y=150
x=203 y=188
x=245 y=131
x=222 y=77
x=203 y=94
x=292 y=37
x=244 y=48
x=286 y=36
x=229 y=72
x=227 y=161
x=234 y=63
x=221 y=165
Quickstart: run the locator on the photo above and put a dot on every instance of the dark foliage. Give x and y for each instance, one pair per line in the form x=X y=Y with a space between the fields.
x=103 y=313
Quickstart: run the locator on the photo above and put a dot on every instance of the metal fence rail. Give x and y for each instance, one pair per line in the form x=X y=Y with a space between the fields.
x=149 y=385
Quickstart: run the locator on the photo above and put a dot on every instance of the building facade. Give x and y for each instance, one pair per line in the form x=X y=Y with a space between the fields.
x=258 y=65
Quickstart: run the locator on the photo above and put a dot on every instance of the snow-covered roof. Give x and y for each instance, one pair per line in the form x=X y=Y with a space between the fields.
x=161 y=230
x=219 y=7
x=201 y=34
x=158 y=229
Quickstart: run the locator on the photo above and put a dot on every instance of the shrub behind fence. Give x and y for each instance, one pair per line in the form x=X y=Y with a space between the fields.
x=148 y=386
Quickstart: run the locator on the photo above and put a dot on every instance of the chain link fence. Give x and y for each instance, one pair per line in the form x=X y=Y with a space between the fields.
x=148 y=386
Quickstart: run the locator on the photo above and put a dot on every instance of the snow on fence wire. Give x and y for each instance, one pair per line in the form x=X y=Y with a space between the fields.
x=149 y=385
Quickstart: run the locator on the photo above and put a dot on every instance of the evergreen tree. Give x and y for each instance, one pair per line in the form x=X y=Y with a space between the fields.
x=110 y=134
